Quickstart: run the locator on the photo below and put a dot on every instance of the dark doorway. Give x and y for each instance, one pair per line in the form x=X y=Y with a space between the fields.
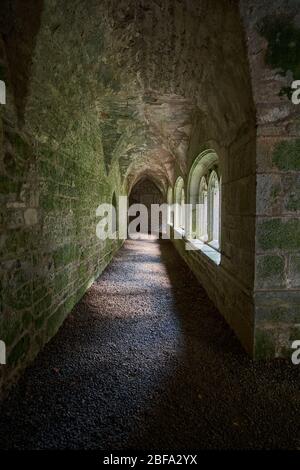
x=146 y=192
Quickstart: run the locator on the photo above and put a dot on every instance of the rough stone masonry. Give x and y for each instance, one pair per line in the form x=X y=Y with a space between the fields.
x=103 y=93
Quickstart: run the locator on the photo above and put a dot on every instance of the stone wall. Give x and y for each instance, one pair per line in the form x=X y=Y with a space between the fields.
x=227 y=125
x=100 y=93
x=230 y=284
x=273 y=36
x=256 y=286
x=53 y=177
x=103 y=92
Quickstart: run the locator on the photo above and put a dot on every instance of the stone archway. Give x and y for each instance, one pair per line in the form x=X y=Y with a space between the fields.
x=146 y=192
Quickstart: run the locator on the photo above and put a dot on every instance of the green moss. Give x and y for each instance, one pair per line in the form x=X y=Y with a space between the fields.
x=40 y=288
x=55 y=321
x=22 y=147
x=286 y=155
x=64 y=255
x=47 y=168
x=295 y=264
x=17 y=240
x=39 y=322
x=47 y=202
x=61 y=280
x=26 y=319
x=7 y=185
x=17 y=290
x=294 y=272
x=283 y=45
x=68 y=181
x=43 y=304
x=81 y=291
x=19 y=351
x=293 y=202
x=270 y=266
x=280 y=234
x=275 y=314
x=11 y=329
x=70 y=302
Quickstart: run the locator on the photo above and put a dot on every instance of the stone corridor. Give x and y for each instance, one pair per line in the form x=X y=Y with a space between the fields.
x=188 y=108
x=145 y=361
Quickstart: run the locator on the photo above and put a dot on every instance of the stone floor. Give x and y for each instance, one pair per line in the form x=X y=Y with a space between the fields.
x=145 y=361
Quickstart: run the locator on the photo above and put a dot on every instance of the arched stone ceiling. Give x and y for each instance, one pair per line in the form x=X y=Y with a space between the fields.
x=183 y=61
x=140 y=75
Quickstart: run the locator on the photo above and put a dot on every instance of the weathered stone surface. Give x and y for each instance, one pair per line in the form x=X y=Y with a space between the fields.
x=19 y=351
x=277 y=320
x=264 y=344
x=279 y=234
x=286 y=155
x=273 y=35
x=103 y=93
x=294 y=271
x=30 y=217
x=270 y=271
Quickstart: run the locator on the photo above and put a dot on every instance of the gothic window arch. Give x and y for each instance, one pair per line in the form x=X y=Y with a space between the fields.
x=115 y=218
x=202 y=213
x=214 y=209
x=204 y=197
x=179 y=196
x=170 y=202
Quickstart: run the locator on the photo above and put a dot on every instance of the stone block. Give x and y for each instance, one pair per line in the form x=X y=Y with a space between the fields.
x=294 y=271
x=278 y=234
x=270 y=271
x=286 y=155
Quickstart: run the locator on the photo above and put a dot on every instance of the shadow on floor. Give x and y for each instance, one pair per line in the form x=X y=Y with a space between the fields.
x=217 y=397
x=145 y=361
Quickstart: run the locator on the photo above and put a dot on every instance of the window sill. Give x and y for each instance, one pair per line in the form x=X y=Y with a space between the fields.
x=179 y=230
x=207 y=250
x=194 y=244
x=214 y=244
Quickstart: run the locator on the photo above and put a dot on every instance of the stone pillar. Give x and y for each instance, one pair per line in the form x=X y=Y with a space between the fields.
x=273 y=36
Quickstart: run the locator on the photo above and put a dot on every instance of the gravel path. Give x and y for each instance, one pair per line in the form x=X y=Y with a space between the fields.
x=145 y=361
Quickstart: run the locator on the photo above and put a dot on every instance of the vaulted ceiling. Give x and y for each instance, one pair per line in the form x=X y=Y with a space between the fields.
x=141 y=74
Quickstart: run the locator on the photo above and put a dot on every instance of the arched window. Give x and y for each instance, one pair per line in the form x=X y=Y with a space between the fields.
x=179 y=201
x=202 y=213
x=182 y=209
x=170 y=202
x=214 y=209
x=115 y=217
x=204 y=198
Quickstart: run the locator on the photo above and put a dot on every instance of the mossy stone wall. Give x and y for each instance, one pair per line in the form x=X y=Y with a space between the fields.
x=53 y=177
x=273 y=32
